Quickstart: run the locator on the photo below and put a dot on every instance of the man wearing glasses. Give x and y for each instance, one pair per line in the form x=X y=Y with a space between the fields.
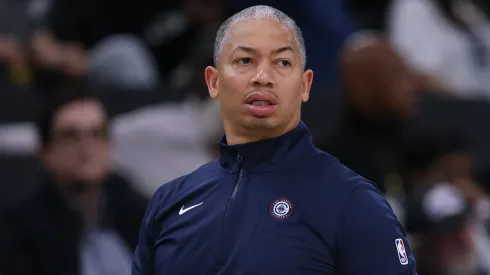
x=81 y=220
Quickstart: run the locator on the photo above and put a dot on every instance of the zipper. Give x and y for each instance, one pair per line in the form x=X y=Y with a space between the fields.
x=239 y=158
x=223 y=246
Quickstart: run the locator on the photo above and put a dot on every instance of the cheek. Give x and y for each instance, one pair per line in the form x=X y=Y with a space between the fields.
x=292 y=94
x=233 y=89
x=59 y=161
x=103 y=156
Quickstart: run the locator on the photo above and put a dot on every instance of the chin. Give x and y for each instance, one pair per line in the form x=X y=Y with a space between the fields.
x=261 y=123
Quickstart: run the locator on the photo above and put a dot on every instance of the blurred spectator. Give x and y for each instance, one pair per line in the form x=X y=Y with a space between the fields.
x=158 y=143
x=152 y=144
x=81 y=220
x=10 y=50
x=378 y=100
x=119 y=43
x=18 y=19
x=444 y=229
x=430 y=156
x=447 y=41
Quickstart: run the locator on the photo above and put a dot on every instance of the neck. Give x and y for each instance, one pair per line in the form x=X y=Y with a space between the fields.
x=85 y=197
x=89 y=203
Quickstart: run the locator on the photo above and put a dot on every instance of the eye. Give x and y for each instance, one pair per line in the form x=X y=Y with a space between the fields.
x=243 y=61
x=284 y=63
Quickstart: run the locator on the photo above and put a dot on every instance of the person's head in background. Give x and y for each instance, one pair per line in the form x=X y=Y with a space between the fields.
x=442 y=225
x=378 y=83
x=259 y=74
x=74 y=142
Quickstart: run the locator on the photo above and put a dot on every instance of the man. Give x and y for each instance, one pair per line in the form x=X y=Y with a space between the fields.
x=272 y=203
x=80 y=221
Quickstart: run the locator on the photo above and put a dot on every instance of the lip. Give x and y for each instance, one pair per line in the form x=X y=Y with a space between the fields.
x=261 y=96
x=261 y=111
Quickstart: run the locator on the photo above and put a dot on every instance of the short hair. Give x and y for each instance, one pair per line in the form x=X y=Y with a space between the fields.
x=259 y=12
x=68 y=91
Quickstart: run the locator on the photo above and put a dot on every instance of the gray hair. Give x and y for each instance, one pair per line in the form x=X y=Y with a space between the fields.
x=259 y=12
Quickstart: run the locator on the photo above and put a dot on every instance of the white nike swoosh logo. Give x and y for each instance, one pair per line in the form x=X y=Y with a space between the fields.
x=183 y=210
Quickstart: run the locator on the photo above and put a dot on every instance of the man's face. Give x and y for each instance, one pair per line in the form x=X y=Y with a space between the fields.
x=259 y=77
x=79 y=147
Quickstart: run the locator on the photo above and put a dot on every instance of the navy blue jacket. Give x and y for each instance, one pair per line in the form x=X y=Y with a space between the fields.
x=279 y=206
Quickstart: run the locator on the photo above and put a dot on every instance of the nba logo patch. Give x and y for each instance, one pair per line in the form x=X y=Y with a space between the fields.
x=402 y=254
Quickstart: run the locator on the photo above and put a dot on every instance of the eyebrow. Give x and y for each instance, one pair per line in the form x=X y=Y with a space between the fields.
x=254 y=51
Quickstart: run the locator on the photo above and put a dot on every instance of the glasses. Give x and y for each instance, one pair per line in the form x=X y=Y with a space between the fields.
x=71 y=136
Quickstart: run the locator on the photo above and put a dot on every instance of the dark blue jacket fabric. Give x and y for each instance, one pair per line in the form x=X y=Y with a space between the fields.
x=279 y=206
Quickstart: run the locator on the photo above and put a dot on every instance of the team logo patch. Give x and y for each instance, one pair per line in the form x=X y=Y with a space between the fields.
x=281 y=208
x=402 y=254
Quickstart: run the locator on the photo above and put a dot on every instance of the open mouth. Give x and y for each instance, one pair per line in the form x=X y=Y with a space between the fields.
x=261 y=99
x=260 y=103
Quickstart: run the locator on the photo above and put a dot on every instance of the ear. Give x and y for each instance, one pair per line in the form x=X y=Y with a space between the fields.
x=307 y=80
x=211 y=75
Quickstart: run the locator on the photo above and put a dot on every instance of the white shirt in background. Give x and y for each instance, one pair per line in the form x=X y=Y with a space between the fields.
x=433 y=45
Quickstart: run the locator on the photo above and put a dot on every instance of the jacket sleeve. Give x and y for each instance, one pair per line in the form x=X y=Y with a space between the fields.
x=371 y=240
x=143 y=259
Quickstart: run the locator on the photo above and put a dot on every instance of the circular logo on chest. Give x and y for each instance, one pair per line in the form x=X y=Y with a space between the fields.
x=281 y=208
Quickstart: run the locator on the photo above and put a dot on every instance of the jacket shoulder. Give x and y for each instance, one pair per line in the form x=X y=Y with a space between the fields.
x=332 y=185
x=332 y=174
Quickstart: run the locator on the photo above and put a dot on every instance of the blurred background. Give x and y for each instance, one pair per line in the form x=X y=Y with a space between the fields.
x=103 y=101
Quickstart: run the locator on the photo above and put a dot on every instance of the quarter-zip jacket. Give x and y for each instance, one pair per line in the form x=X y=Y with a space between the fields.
x=279 y=206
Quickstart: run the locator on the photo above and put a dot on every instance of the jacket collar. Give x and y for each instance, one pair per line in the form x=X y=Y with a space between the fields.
x=266 y=154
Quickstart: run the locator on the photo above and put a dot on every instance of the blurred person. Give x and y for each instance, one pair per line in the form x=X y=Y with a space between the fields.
x=10 y=50
x=380 y=97
x=17 y=21
x=448 y=41
x=152 y=144
x=431 y=156
x=158 y=143
x=134 y=53
x=443 y=226
x=82 y=219
x=14 y=61
x=255 y=210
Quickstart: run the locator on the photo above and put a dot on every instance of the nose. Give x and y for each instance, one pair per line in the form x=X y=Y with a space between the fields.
x=262 y=76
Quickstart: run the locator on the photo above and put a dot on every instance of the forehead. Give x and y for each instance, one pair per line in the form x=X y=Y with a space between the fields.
x=260 y=34
x=82 y=114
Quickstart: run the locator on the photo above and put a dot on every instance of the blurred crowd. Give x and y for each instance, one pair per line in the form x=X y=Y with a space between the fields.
x=103 y=101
